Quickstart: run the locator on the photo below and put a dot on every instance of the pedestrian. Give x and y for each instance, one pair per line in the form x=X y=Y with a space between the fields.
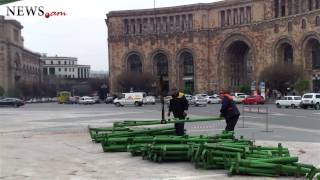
x=178 y=106
x=229 y=110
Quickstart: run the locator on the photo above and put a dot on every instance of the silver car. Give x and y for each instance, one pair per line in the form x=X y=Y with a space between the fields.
x=198 y=101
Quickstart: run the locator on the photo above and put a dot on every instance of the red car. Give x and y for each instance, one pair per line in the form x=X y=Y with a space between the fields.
x=254 y=100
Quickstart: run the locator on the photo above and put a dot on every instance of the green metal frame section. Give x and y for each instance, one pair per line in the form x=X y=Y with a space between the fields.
x=2 y=2
x=238 y=156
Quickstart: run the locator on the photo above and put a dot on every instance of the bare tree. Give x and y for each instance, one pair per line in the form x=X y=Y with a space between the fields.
x=281 y=76
x=135 y=81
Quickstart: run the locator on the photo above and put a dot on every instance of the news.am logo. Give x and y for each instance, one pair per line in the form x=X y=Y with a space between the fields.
x=25 y=10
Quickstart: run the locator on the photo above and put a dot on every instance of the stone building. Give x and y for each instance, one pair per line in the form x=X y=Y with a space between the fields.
x=208 y=46
x=17 y=64
x=64 y=67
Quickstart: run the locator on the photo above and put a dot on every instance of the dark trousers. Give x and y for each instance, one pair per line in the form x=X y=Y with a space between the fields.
x=179 y=127
x=231 y=123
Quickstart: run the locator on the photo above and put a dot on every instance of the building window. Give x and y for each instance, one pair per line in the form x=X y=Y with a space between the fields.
x=51 y=62
x=318 y=21
x=290 y=26
x=222 y=18
x=134 y=63
x=187 y=60
x=59 y=62
x=310 y=4
x=161 y=61
x=126 y=26
x=249 y=14
x=296 y=7
x=276 y=8
x=65 y=62
x=66 y=69
x=59 y=69
x=304 y=24
x=283 y=8
x=229 y=17
x=290 y=5
x=276 y=28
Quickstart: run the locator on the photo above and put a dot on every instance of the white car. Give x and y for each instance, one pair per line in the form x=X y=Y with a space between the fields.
x=198 y=101
x=149 y=100
x=87 y=100
x=213 y=100
x=289 y=101
x=311 y=100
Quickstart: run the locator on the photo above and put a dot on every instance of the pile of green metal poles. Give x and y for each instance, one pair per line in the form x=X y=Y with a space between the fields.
x=221 y=151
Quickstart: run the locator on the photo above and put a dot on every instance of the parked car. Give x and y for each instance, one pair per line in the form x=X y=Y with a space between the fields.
x=87 y=100
x=311 y=100
x=213 y=100
x=240 y=98
x=135 y=98
x=96 y=99
x=149 y=100
x=289 y=101
x=14 y=102
x=109 y=100
x=254 y=100
x=198 y=101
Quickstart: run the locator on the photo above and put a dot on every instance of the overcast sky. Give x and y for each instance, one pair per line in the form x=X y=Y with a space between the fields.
x=83 y=32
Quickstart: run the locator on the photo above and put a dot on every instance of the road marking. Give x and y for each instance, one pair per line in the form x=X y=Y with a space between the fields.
x=254 y=117
x=278 y=114
x=196 y=177
x=284 y=127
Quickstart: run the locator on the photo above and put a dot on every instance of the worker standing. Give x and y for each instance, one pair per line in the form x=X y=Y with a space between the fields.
x=178 y=106
x=229 y=110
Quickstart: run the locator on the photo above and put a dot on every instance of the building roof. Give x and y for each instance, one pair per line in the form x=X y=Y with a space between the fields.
x=11 y=21
x=177 y=9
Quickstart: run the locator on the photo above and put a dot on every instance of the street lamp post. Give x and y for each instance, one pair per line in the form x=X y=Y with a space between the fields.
x=162 y=96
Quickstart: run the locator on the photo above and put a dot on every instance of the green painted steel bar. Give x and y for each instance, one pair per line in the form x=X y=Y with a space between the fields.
x=280 y=160
x=169 y=121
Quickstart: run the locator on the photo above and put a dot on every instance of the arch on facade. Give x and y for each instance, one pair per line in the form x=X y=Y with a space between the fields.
x=160 y=63
x=186 y=70
x=311 y=58
x=283 y=51
x=134 y=62
x=236 y=61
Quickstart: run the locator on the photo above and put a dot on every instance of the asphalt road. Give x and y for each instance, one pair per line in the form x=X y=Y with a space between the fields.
x=285 y=124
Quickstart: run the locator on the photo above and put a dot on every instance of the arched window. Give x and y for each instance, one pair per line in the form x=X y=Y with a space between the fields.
x=187 y=64
x=134 y=63
x=161 y=61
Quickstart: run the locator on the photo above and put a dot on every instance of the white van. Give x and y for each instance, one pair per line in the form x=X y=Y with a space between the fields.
x=135 y=98
x=311 y=100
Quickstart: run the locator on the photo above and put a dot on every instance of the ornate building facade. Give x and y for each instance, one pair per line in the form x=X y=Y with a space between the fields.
x=17 y=64
x=205 y=47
